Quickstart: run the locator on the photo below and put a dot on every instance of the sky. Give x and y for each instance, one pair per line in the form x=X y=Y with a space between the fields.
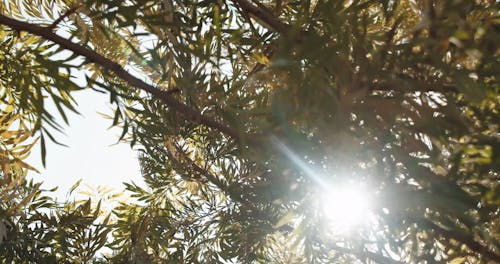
x=92 y=153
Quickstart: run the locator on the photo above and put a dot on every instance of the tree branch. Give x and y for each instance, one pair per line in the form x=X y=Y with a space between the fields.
x=177 y=155
x=263 y=17
x=468 y=241
x=118 y=70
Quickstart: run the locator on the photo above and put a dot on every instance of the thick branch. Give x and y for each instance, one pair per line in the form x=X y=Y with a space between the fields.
x=118 y=70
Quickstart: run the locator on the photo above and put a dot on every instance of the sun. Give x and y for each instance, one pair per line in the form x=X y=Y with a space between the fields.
x=345 y=207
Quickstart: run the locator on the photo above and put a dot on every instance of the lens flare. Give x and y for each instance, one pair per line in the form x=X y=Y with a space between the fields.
x=345 y=208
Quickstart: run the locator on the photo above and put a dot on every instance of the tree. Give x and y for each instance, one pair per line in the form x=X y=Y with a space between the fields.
x=245 y=111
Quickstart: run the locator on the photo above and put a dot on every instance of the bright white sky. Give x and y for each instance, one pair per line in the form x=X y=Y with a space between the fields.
x=92 y=154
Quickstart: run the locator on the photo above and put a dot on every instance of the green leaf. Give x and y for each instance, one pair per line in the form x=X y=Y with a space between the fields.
x=74 y=186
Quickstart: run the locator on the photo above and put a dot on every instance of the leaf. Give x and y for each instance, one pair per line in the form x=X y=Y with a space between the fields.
x=458 y=260
x=25 y=165
x=3 y=231
x=42 y=149
x=74 y=186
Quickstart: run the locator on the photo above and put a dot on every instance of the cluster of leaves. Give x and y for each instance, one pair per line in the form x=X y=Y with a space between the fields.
x=30 y=76
x=34 y=228
x=245 y=110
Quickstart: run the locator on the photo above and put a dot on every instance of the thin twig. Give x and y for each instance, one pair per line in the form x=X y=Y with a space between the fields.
x=263 y=17
x=465 y=240
x=61 y=18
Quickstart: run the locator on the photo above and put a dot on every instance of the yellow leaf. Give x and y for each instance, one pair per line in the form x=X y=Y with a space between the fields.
x=262 y=59
x=9 y=134
x=25 y=165
x=458 y=260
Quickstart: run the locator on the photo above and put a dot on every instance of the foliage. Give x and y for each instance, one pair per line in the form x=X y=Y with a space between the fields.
x=244 y=111
x=34 y=228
